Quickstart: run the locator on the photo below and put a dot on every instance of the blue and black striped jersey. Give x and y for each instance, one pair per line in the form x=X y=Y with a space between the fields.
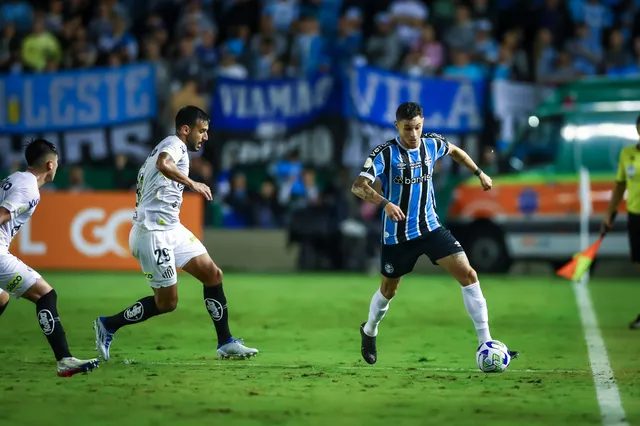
x=406 y=176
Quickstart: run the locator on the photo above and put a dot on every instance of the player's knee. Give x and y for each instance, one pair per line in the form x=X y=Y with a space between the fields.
x=471 y=276
x=167 y=305
x=217 y=275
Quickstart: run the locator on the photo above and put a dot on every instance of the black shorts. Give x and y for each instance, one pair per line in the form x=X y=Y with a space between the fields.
x=399 y=259
x=634 y=236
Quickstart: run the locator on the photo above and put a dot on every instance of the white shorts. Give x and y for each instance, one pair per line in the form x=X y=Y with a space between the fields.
x=160 y=252
x=15 y=276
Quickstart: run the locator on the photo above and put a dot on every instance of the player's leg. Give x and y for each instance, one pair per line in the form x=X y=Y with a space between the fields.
x=395 y=260
x=634 y=245
x=193 y=258
x=4 y=301
x=458 y=266
x=203 y=268
x=46 y=301
x=154 y=251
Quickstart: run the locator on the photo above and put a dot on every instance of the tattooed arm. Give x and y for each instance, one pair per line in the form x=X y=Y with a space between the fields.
x=362 y=189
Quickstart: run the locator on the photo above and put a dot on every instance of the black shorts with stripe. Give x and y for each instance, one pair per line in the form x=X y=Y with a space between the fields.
x=634 y=236
x=399 y=259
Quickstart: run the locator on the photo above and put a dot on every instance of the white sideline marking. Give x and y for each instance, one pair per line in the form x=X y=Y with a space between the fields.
x=253 y=364
x=611 y=410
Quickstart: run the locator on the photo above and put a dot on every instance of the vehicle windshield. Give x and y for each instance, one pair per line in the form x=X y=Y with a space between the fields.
x=536 y=144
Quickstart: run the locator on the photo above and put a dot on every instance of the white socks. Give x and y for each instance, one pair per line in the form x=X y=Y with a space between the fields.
x=476 y=306
x=378 y=308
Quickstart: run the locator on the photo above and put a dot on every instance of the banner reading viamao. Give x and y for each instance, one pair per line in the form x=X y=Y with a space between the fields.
x=88 y=230
x=260 y=121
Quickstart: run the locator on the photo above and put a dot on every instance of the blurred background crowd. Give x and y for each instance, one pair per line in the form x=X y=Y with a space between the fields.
x=194 y=42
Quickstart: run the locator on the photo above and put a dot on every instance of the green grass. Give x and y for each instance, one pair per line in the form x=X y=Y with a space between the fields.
x=309 y=371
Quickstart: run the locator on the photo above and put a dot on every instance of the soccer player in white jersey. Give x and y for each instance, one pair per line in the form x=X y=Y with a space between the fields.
x=19 y=196
x=161 y=243
x=411 y=227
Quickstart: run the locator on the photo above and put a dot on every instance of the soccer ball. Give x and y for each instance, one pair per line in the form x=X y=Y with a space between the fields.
x=493 y=357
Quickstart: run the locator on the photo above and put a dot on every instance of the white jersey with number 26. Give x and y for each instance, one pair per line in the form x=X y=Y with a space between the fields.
x=158 y=198
x=20 y=195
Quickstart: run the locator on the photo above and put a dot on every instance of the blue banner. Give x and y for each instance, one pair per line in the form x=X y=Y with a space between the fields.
x=31 y=103
x=264 y=105
x=450 y=106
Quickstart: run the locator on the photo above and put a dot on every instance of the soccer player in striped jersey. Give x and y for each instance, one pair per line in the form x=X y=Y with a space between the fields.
x=411 y=226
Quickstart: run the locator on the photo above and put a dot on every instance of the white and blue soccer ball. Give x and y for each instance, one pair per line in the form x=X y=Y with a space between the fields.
x=493 y=356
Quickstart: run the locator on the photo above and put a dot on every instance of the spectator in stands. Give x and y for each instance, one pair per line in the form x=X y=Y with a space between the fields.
x=237 y=204
x=463 y=67
x=76 y=179
x=586 y=54
x=17 y=12
x=267 y=212
x=309 y=52
x=40 y=46
x=383 y=48
x=229 y=64
x=462 y=34
x=617 y=56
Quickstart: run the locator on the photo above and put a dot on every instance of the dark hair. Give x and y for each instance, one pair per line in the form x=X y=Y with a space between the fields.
x=190 y=115
x=37 y=150
x=408 y=110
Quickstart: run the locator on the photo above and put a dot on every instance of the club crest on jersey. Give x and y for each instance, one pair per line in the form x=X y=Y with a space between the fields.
x=134 y=313
x=401 y=165
x=368 y=163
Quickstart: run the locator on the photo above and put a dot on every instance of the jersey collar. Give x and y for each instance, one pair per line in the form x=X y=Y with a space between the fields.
x=407 y=149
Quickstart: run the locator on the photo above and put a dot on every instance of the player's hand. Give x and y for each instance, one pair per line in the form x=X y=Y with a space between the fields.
x=485 y=181
x=203 y=190
x=394 y=212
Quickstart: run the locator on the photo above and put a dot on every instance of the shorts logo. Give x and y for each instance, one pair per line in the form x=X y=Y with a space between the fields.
x=46 y=321
x=457 y=244
x=14 y=283
x=148 y=276
x=215 y=309
x=134 y=313
x=388 y=268
x=168 y=273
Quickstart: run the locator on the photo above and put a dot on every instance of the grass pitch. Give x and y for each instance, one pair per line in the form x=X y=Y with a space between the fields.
x=309 y=370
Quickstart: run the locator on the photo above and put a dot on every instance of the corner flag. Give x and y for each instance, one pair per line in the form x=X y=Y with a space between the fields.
x=576 y=267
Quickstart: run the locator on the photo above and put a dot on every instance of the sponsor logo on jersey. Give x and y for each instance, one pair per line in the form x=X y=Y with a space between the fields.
x=215 y=308
x=46 y=321
x=134 y=313
x=409 y=181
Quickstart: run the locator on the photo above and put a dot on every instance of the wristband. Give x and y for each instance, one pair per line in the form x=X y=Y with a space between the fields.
x=478 y=171
x=384 y=203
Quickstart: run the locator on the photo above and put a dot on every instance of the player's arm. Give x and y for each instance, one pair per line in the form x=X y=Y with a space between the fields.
x=616 y=197
x=170 y=170
x=5 y=215
x=362 y=189
x=462 y=158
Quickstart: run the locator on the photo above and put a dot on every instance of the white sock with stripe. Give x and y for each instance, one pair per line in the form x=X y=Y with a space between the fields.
x=476 y=306
x=377 y=309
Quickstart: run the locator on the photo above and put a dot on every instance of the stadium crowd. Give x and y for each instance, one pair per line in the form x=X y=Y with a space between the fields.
x=192 y=42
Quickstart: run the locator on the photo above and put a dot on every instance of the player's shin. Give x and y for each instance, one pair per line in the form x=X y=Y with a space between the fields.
x=476 y=306
x=140 y=311
x=49 y=320
x=377 y=310
x=216 y=304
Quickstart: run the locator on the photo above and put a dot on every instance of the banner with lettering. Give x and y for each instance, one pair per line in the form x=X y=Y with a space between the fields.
x=259 y=121
x=67 y=100
x=450 y=106
x=454 y=108
x=91 y=115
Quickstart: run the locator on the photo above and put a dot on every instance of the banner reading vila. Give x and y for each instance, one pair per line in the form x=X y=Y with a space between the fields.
x=88 y=230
